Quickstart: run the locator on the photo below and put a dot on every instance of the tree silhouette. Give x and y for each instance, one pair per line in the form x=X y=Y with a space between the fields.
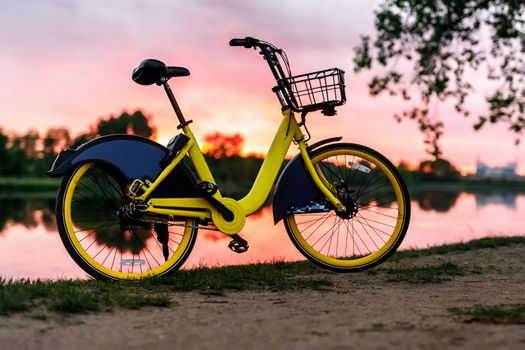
x=218 y=145
x=55 y=139
x=32 y=153
x=136 y=123
x=429 y=48
x=4 y=153
x=438 y=169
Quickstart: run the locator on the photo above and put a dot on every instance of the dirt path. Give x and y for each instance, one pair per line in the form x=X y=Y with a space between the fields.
x=361 y=311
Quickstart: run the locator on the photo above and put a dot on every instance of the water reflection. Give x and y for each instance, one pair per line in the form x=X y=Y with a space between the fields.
x=507 y=199
x=28 y=212
x=440 y=201
x=32 y=212
x=30 y=245
x=444 y=201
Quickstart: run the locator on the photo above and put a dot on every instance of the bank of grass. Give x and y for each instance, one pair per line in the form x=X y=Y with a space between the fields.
x=494 y=314
x=275 y=276
x=74 y=296
x=427 y=273
x=29 y=183
x=483 y=243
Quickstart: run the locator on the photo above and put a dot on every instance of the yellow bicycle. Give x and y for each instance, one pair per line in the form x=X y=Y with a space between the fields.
x=130 y=208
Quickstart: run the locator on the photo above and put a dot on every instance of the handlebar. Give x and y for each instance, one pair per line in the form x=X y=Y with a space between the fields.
x=327 y=93
x=247 y=42
x=269 y=52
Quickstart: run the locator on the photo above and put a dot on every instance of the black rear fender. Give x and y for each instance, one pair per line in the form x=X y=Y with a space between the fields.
x=131 y=157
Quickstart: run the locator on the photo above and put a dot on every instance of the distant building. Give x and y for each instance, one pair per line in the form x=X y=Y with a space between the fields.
x=507 y=172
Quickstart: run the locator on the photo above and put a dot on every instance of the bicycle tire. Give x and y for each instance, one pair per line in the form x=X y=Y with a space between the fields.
x=89 y=226
x=375 y=207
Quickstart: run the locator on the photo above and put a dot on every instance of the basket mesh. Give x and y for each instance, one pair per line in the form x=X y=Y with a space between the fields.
x=317 y=90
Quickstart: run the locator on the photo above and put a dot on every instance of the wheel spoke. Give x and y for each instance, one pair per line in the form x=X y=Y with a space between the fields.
x=351 y=240
x=110 y=244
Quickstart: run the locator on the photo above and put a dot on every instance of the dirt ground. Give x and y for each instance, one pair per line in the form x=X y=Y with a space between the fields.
x=362 y=311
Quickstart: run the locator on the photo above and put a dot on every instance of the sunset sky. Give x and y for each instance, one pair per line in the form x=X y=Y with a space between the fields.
x=67 y=63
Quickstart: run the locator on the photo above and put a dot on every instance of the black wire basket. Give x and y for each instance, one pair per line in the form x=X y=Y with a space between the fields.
x=322 y=90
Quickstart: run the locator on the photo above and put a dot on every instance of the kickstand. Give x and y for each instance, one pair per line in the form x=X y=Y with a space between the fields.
x=163 y=236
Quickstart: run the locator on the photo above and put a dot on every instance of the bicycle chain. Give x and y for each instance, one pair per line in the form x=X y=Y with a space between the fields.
x=200 y=227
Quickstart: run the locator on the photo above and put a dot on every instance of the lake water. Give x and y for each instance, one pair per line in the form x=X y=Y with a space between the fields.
x=30 y=246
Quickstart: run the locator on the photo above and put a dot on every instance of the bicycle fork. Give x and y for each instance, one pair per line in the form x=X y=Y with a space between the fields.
x=317 y=175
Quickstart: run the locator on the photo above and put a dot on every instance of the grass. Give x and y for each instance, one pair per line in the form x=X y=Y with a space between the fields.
x=423 y=274
x=75 y=296
x=493 y=314
x=483 y=243
x=274 y=276
x=21 y=186
x=29 y=181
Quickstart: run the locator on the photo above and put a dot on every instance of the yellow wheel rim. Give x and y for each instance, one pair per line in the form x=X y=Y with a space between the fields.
x=361 y=258
x=115 y=271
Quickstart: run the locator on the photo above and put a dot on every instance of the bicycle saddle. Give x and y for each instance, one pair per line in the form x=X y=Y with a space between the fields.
x=153 y=71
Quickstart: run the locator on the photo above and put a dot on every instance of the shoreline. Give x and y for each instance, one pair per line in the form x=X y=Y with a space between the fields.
x=467 y=296
x=240 y=188
x=24 y=295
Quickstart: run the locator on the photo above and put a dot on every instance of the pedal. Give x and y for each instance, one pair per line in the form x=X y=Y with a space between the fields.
x=238 y=244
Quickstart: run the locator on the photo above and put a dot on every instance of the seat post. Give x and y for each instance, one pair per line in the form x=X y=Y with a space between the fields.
x=175 y=105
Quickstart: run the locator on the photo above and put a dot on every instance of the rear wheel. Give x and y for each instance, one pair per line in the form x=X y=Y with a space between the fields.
x=377 y=215
x=108 y=245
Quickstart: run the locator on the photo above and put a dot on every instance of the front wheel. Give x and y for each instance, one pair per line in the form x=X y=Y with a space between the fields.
x=377 y=215
x=104 y=242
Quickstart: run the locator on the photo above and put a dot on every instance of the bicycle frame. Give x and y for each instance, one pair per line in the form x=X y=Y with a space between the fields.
x=288 y=131
x=131 y=198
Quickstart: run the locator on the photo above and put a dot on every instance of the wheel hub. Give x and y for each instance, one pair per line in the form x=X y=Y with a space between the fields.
x=351 y=209
x=128 y=217
x=351 y=206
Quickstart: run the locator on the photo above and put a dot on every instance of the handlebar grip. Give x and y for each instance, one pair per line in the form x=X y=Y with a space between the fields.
x=237 y=42
x=247 y=42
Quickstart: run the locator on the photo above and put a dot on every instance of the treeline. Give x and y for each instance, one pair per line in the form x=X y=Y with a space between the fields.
x=234 y=173
x=439 y=170
x=31 y=154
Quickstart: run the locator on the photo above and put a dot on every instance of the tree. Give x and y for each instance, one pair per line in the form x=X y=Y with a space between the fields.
x=438 y=169
x=81 y=139
x=439 y=43
x=33 y=154
x=136 y=123
x=219 y=145
x=4 y=154
x=18 y=163
x=54 y=140
x=30 y=144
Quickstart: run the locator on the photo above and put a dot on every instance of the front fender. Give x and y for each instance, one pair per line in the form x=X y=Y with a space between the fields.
x=295 y=189
x=133 y=157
